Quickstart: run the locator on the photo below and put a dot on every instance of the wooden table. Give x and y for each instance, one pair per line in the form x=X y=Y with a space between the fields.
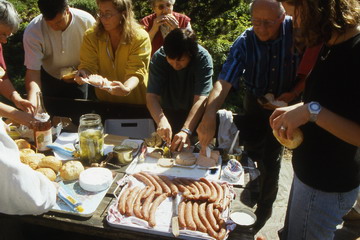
x=97 y=225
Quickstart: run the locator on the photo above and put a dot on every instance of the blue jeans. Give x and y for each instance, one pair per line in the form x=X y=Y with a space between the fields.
x=313 y=214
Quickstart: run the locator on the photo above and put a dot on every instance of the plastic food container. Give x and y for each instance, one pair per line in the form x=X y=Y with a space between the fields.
x=243 y=217
x=233 y=170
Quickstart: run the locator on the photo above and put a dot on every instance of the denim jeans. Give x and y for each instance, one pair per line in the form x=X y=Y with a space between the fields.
x=313 y=214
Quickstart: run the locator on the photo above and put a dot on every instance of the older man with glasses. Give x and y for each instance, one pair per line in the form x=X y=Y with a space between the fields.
x=263 y=58
x=162 y=21
x=52 y=43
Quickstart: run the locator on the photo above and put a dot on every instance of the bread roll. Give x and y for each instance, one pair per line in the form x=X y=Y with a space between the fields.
x=48 y=172
x=166 y=162
x=50 y=162
x=32 y=159
x=26 y=151
x=71 y=170
x=68 y=73
x=22 y=143
x=291 y=144
x=185 y=158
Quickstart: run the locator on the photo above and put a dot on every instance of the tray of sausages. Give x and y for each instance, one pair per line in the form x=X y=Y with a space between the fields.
x=146 y=201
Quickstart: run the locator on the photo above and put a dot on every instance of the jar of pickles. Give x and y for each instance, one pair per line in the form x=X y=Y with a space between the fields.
x=91 y=139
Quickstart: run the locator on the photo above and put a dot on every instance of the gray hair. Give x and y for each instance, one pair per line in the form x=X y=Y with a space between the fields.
x=152 y=2
x=277 y=5
x=9 y=16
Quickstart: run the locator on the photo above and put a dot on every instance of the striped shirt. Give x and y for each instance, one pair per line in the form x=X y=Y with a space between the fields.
x=265 y=67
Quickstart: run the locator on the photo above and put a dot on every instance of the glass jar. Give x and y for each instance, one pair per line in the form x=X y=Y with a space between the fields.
x=42 y=126
x=91 y=139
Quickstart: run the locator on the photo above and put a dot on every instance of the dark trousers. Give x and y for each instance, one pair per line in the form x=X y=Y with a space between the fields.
x=53 y=87
x=262 y=147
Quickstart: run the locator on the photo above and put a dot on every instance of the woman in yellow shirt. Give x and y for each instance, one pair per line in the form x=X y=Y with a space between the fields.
x=118 y=50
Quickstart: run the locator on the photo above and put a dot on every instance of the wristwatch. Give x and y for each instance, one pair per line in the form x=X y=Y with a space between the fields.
x=314 y=109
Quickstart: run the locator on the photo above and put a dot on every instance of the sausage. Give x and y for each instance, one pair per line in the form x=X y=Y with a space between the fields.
x=189 y=184
x=205 y=221
x=158 y=189
x=227 y=197
x=172 y=186
x=165 y=188
x=189 y=220
x=122 y=200
x=195 y=210
x=129 y=206
x=146 y=206
x=146 y=181
x=210 y=216
x=222 y=233
x=207 y=189
x=181 y=214
x=181 y=187
x=218 y=218
x=213 y=195
x=153 y=208
x=220 y=195
x=137 y=203
x=202 y=195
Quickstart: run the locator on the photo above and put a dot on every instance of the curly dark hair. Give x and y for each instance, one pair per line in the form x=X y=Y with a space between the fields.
x=180 y=41
x=320 y=18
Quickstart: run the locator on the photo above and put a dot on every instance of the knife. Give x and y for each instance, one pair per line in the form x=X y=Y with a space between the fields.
x=174 y=219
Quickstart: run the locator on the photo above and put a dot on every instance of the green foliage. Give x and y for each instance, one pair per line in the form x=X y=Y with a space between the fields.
x=216 y=23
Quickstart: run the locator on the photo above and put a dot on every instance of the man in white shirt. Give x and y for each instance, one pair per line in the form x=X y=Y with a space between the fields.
x=52 y=42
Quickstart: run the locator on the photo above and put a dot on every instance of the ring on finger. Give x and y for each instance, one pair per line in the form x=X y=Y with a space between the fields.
x=283 y=128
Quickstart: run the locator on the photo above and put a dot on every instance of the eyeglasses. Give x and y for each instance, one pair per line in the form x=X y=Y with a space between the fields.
x=163 y=6
x=266 y=23
x=106 y=15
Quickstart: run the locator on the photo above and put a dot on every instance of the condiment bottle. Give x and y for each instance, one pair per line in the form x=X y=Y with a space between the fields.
x=91 y=139
x=42 y=125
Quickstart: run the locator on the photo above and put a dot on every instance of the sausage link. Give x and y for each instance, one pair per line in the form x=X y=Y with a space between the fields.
x=190 y=224
x=165 y=188
x=195 y=210
x=213 y=195
x=205 y=221
x=227 y=197
x=122 y=200
x=158 y=189
x=202 y=195
x=146 y=206
x=146 y=181
x=222 y=233
x=220 y=195
x=154 y=206
x=210 y=216
x=129 y=207
x=137 y=203
x=186 y=182
x=218 y=217
x=172 y=186
x=181 y=214
x=206 y=189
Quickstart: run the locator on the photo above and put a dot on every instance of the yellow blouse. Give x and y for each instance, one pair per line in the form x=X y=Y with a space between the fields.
x=132 y=59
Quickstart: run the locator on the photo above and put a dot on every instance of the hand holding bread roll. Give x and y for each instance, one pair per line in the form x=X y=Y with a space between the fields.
x=291 y=144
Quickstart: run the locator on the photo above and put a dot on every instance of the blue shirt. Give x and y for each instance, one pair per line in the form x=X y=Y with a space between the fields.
x=265 y=67
x=178 y=88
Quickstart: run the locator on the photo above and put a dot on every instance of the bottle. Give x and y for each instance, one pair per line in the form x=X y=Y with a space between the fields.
x=91 y=139
x=42 y=125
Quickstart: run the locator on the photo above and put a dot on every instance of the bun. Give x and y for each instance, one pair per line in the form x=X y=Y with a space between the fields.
x=22 y=143
x=166 y=162
x=50 y=162
x=291 y=144
x=48 y=172
x=26 y=151
x=185 y=158
x=71 y=170
x=98 y=80
x=32 y=159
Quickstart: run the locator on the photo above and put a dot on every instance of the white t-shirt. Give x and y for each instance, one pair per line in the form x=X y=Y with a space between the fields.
x=54 y=50
x=23 y=190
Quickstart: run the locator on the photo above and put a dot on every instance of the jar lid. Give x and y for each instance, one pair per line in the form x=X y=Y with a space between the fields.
x=122 y=148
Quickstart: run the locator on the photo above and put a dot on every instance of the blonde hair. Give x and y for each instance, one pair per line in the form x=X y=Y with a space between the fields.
x=128 y=22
